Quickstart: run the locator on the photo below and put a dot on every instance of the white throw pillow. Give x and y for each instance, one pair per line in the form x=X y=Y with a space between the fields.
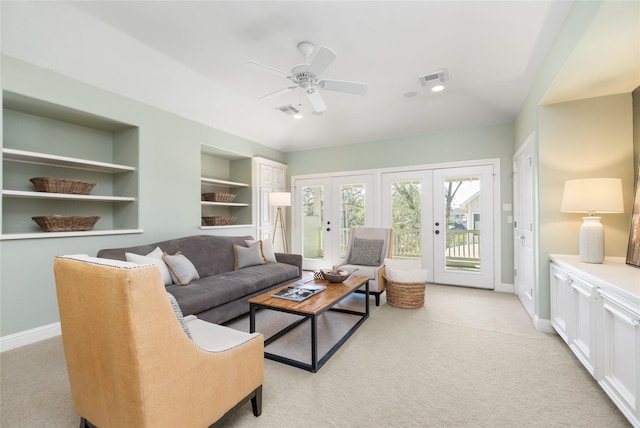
x=154 y=257
x=181 y=269
x=247 y=256
x=267 y=249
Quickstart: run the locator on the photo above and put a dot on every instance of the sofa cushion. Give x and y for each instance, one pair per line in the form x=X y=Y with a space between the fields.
x=209 y=292
x=267 y=249
x=210 y=254
x=248 y=256
x=181 y=269
x=154 y=257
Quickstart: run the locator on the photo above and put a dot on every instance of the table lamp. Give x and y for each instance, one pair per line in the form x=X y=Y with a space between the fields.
x=280 y=199
x=592 y=195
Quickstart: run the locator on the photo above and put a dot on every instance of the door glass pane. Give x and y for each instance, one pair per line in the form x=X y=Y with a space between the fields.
x=462 y=213
x=312 y=221
x=352 y=213
x=406 y=216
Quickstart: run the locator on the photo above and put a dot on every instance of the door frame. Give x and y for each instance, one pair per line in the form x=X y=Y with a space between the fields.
x=529 y=146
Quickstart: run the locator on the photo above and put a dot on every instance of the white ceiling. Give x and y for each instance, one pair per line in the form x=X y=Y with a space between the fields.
x=189 y=58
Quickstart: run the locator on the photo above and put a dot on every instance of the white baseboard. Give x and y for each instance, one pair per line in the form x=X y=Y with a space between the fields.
x=506 y=288
x=543 y=325
x=28 y=337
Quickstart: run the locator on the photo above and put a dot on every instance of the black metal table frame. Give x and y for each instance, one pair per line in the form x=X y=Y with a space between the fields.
x=315 y=362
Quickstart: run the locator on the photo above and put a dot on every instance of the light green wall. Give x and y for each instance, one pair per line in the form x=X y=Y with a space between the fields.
x=169 y=189
x=461 y=145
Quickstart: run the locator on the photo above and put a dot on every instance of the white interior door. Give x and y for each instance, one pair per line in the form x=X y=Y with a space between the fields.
x=524 y=257
x=463 y=226
x=325 y=209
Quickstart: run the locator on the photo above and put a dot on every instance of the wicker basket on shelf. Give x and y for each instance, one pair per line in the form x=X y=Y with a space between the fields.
x=60 y=223
x=406 y=295
x=218 y=220
x=218 y=197
x=62 y=185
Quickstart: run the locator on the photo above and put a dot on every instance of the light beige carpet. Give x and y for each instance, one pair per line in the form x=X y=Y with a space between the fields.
x=469 y=358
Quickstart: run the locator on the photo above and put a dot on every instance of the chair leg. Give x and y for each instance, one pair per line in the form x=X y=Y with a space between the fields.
x=84 y=423
x=256 y=402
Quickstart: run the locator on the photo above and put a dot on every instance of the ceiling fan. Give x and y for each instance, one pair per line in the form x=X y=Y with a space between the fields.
x=306 y=77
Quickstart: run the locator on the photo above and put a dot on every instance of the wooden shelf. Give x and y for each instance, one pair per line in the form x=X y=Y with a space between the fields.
x=228 y=226
x=62 y=161
x=64 y=196
x=36 y=235
x=221 y=183
x=223 y=204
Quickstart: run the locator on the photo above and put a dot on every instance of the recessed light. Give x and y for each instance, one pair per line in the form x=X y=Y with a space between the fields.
x=437 y=88
x=410 y=94
x=297 y=116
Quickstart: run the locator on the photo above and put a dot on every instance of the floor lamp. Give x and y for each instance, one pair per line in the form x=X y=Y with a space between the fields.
x=280 y=199
x=592 y=195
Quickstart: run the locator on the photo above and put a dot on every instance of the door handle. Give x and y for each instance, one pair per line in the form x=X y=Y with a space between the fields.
x=437 y=232
x=328 y=229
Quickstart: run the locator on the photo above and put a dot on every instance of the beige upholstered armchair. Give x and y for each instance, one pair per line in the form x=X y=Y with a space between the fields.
x=367 y=248
x=131 y=364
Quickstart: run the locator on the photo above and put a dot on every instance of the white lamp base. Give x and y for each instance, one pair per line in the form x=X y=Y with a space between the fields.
x=591 y=240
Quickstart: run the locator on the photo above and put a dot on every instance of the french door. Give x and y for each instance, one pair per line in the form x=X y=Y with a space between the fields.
x=325 y=209
x=445 y=217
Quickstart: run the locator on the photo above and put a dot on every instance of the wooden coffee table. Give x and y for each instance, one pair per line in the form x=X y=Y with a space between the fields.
x=310 y=309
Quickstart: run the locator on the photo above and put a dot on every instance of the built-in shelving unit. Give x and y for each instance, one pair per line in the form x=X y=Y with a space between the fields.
x=226 y=172
x=41 y=139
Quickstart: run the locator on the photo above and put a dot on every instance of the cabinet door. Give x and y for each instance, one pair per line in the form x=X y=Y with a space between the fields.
x=582 y=330
x=620 y=348
x=560 y=292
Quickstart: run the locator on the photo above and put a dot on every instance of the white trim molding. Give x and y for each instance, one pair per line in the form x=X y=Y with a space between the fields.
x=28 y=337
x=506 y=288
x=543 y=325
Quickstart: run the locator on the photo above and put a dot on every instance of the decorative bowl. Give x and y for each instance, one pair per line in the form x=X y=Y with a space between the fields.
x=333 y=276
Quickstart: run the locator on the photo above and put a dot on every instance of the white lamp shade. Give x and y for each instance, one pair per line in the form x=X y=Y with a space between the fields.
x=592 y=195
x=280 y=199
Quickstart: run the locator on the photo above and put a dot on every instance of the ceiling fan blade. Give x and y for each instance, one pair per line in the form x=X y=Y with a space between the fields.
x=316 y=100
x=278 y=92
x=321 y=61
x=344 y=86
x=269 y=68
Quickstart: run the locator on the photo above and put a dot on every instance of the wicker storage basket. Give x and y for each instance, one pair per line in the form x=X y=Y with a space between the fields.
x=59 y=223
x=62 y=185
x=217 y=220
x=218 y=197
x=405 y=295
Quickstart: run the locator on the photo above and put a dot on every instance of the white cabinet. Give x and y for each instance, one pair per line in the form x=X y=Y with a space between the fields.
x=595 y=308
x=268 y=176
x=573 y=310
x=620 y=354
x=41 y=139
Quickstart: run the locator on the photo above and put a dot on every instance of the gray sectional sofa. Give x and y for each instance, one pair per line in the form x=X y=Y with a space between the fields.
x=221 y=293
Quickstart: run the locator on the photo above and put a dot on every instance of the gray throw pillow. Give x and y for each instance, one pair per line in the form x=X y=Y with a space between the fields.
x=179 y=316
x=181 y=269
x=366 y=252
x=248 y=256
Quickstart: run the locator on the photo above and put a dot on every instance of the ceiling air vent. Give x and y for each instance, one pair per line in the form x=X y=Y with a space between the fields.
x=289 y=110
x=430 y=79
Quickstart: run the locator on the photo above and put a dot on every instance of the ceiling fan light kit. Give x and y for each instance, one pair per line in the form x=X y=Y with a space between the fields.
x=305 y=77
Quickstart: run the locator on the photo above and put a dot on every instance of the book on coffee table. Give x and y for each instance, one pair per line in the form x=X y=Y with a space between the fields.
x=299 y=292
